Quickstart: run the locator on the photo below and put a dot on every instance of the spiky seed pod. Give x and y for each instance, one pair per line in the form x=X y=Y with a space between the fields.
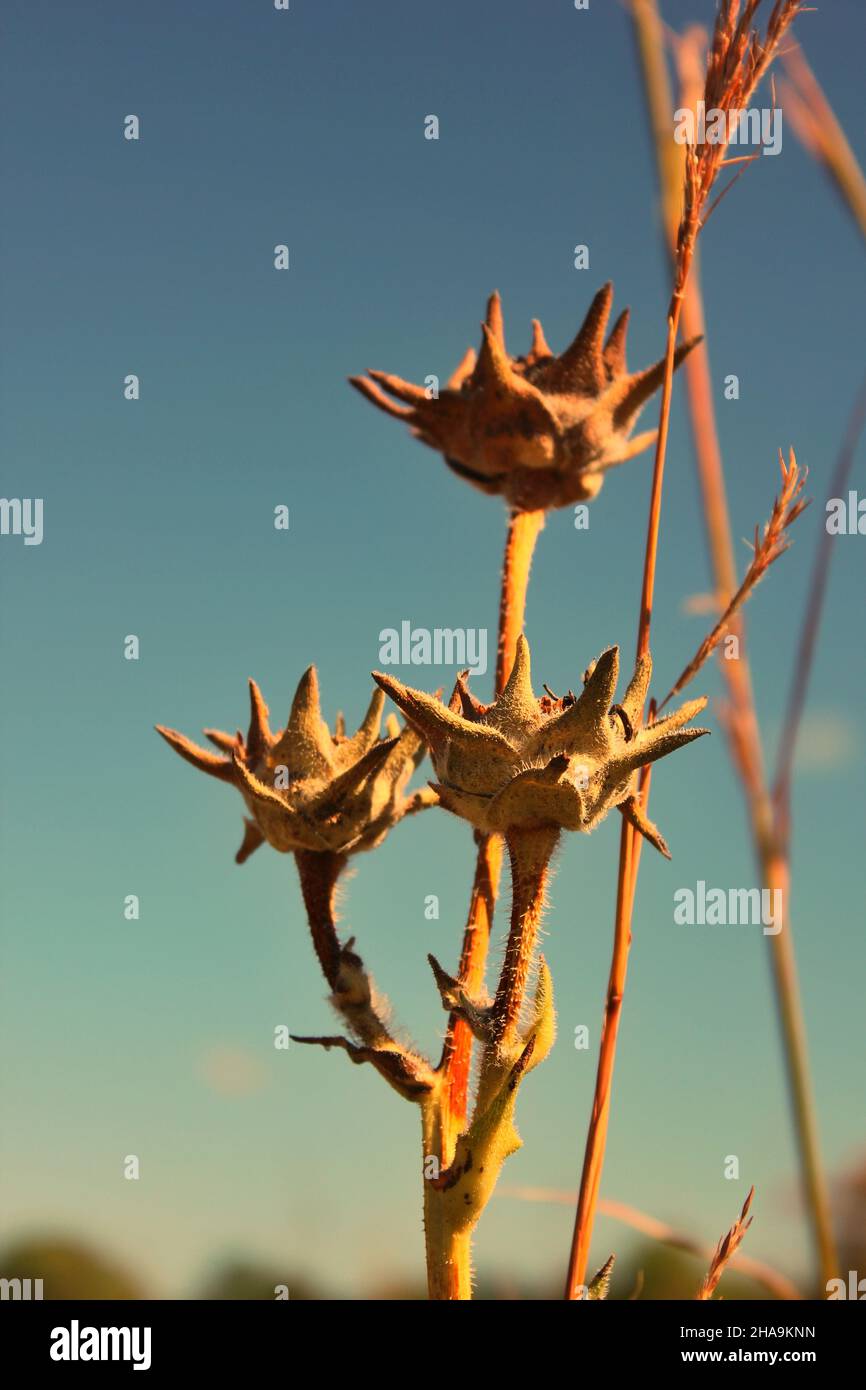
x=529 y=763
x=540 y=430
x=309 y=789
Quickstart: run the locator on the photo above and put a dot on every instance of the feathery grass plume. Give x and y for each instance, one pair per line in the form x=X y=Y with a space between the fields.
x=539 y=430
x=737 y=60
x=766 y=549
x=726 y=1247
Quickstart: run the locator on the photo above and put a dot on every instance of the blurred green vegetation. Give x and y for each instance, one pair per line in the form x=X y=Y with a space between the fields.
x=68 y=1268
x=73 y=1269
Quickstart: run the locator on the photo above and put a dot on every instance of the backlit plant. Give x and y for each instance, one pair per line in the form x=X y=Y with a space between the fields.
x=540 y=431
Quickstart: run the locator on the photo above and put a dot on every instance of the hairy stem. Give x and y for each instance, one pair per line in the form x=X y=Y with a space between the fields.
x=529 y=852
x=457 y=1051
x=457 y=1189
x=449 y=1273
x=444 y=1113
x=319 y=873
x=524 y=529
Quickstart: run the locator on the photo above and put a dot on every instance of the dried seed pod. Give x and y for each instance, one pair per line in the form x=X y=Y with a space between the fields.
x=309 y=789
x=528 y=763
x=540 y=430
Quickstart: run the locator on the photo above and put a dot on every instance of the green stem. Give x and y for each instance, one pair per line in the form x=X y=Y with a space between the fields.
x=449 y=1274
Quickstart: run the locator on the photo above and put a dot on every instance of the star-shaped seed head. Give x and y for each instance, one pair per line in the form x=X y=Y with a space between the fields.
x=540 y=430
x=524 y=762
x=309 y=789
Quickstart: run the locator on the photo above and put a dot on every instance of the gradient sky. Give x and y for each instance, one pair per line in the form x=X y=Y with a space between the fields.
x=155 y=1037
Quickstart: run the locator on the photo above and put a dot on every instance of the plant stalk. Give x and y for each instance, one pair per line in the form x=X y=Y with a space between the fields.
x=490 y=1137
x=448 y=1252
x=529 y=853
x=444 y=1114
x=523 y=531
x=629 y=853
x=593 y=1159
x=318 y=873
x=768 y=835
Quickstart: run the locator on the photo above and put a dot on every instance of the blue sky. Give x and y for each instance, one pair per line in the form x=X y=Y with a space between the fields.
x=156 y=257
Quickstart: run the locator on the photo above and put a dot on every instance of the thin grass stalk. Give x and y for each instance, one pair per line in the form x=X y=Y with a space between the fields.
x=748 y=756
x=815 y=122
x=775 y=1283
x=811 y=624
x=735 y=66
x=593 y=1161
x=654 y=522
x=629 y=859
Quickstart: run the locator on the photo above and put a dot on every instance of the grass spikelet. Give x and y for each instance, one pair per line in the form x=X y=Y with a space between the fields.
x=766 y=549
x=725 y=1249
